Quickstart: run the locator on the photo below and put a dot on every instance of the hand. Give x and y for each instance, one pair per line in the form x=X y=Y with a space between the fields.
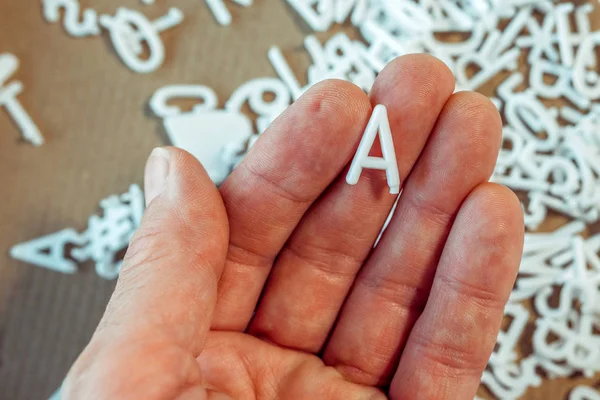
x=270 y=288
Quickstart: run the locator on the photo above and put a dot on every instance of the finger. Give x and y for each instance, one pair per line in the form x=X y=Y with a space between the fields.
x=286 y=170
x=166 y=292
x=174 y=262
x=316 y=268
x=454 y=337
x=392 y=287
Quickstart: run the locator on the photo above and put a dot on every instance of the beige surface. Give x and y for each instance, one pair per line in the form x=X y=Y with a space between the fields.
x=92 y=111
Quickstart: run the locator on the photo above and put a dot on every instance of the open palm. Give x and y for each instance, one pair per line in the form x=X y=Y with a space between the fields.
x=270 y=287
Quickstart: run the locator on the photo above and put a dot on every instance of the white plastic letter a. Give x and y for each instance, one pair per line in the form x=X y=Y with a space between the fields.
x=378 y=123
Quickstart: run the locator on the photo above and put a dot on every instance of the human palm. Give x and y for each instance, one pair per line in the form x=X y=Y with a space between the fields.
x=272 y=287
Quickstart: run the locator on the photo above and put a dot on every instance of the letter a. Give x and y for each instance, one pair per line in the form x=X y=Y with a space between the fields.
x=378 y=123
x=49 y=251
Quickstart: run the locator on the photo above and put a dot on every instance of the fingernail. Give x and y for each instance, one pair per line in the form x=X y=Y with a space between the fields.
x=157 y=171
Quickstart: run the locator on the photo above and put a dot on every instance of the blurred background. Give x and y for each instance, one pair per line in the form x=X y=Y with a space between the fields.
x=94 y=115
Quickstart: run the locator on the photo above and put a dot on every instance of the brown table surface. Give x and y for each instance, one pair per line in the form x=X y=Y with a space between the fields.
x=93 y=113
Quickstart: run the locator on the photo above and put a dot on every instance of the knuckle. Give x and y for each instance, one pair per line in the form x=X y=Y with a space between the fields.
x=448 y=358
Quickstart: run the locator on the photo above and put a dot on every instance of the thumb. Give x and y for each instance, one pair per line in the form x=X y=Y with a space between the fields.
x=161 y=310
x=168 y=283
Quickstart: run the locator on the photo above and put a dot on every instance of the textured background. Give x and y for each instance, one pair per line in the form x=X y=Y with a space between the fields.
x=93 y=113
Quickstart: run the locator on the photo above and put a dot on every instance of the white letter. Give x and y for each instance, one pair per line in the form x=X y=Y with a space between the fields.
x=378 y=123
x=158 y=102
x=88 y=25
x=126 y=40
x=8 y=99
x=33 y=251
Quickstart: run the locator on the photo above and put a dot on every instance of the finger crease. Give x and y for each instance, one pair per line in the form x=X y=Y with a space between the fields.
x=429 y=208
x=485 y=298
x=344 y=266
x=404 y=296
x=456 y=361
x=279 y=189
x=243 y=256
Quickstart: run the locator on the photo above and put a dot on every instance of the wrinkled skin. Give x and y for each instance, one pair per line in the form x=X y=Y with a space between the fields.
x=269 y=287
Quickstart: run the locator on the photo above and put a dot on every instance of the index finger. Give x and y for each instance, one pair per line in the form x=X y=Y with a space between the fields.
x=288 y=168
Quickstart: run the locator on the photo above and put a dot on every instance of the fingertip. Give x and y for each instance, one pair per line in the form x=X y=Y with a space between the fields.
x=479 y=112
x=496 y=200
x=340 y=95
x=190 y=179
x=496 y=214
x=310 y=143
x=472 y=131
x=427 y=73
x=184 y=206
x=331 y=101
